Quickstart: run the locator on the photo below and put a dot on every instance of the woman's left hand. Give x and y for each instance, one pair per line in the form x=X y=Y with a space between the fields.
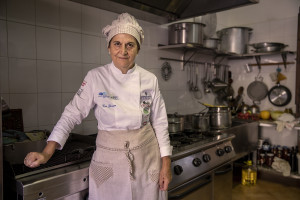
x=165 y=175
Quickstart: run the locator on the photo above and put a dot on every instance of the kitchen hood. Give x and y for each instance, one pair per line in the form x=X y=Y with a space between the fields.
x=166 y=11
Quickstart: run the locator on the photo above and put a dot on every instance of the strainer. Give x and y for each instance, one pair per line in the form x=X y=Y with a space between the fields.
x=257 y=90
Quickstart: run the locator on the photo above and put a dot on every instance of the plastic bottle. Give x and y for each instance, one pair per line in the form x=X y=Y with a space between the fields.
x=249 y=174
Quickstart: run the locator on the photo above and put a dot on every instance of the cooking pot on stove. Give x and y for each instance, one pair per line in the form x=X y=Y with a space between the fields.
x=220 y=117
x=200 y=122
x=176 y=123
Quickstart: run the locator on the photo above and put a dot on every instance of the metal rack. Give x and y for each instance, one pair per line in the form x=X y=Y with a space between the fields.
x=197 y=48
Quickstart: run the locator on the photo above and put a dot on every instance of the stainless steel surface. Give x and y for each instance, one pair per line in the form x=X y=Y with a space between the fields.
x=201 y=186
x=54 y=184
x=186 y=32
x=246 y=137
x=64 y=176
x=222 y=189
x=279 y=95
x=234 y=40
x=190 y=161
x=264 y=47
x=161 y=12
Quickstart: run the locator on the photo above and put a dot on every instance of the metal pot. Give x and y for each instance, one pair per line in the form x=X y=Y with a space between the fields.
x=211 y=43
x=186 y=32
x=234 y=39
x=220 y=117
x=176 y=123
x=200 y=122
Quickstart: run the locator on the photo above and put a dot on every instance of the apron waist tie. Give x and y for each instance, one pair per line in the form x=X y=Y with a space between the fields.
x=130 y=159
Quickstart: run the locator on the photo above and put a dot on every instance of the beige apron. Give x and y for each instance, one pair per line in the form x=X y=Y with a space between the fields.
x=126 y=166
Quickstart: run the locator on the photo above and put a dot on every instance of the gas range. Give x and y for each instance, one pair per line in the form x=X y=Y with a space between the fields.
x=197 y=153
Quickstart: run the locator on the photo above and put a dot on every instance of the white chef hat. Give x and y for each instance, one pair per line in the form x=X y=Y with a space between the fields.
x=125 y=23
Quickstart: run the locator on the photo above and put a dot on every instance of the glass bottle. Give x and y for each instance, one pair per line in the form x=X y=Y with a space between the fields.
x=249 y=174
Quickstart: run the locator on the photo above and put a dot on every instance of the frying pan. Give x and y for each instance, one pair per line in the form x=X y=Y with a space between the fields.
x=257 y=90
x=279 y=95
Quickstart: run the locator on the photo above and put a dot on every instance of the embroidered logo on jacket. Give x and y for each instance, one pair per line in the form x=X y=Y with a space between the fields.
x=105 y=95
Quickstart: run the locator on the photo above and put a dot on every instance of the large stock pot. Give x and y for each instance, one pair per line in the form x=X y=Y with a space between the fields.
x=186 y=32
x=234 y=40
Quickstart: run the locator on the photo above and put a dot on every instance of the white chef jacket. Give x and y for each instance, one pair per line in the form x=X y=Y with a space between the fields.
x=120 y=102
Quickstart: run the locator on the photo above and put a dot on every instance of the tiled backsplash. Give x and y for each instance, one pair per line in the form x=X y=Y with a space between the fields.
x=47 y=47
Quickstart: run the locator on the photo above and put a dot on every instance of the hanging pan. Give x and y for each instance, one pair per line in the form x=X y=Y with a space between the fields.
x=257 y=90
x=279 y=95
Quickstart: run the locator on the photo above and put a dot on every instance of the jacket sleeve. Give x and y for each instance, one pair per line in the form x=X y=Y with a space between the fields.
x=78 y=109
x=159 y=121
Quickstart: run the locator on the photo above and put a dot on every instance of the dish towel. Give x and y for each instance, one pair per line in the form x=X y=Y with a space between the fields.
x=281 y=165
x=286 y=120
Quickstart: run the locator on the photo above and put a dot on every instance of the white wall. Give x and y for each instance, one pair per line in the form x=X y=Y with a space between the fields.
x=47 y=46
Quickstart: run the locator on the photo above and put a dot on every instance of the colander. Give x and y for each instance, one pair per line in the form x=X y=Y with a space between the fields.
x=257 y=90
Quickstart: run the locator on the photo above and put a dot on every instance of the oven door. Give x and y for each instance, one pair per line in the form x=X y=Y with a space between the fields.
x=200 y=186
x=223 y=182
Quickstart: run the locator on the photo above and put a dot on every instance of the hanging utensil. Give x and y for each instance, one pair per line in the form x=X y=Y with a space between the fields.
x=257 y=90
x=279 y=95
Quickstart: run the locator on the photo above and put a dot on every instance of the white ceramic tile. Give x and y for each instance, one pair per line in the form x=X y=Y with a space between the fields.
x=21 y=11
x=90 y=49
x=151 y=57
x=21 y=40
x=70 y=16
x=4 y=83
x=48 y=43
x=49 y=108
x=3 y=9
x=47 y=13
x=140 y=59
x=91 y=20
x=48 y=76
x=70 y=46
x=22 y=76
x=106 y=18
x=71 y=76
x=104 y=56
x=28 y=103
x=88 y=67
x=3 y=38
x=90 y=127
x=170 y=98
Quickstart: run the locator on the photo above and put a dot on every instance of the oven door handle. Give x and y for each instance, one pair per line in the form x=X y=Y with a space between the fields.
x=228 y=168
x=196 y=184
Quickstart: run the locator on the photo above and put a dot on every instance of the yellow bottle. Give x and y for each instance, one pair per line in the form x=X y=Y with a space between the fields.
x=249 y=174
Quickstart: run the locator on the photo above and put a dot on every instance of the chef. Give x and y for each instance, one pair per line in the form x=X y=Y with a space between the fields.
x=132 y=158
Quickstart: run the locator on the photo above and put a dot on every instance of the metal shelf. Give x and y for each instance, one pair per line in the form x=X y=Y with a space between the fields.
x=197 y=48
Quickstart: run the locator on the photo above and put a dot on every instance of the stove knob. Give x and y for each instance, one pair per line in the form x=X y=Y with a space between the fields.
x=197 y=162
x=206 y=158
x=228 y=149
x=178 y=169
x=220 y=152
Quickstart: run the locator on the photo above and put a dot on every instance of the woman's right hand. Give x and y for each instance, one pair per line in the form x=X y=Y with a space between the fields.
x=35 y=159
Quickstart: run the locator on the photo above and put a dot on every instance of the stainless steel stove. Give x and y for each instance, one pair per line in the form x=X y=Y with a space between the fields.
x=195 y=158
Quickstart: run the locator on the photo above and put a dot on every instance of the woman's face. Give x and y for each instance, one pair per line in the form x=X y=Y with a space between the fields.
x=123 y=49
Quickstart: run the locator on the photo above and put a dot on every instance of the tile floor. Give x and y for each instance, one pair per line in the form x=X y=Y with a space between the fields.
x=265 y=190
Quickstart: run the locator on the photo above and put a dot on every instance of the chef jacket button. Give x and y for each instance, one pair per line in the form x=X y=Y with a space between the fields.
x=126 y=144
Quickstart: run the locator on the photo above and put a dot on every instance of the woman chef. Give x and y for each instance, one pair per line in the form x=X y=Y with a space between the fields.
x=132 y=159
